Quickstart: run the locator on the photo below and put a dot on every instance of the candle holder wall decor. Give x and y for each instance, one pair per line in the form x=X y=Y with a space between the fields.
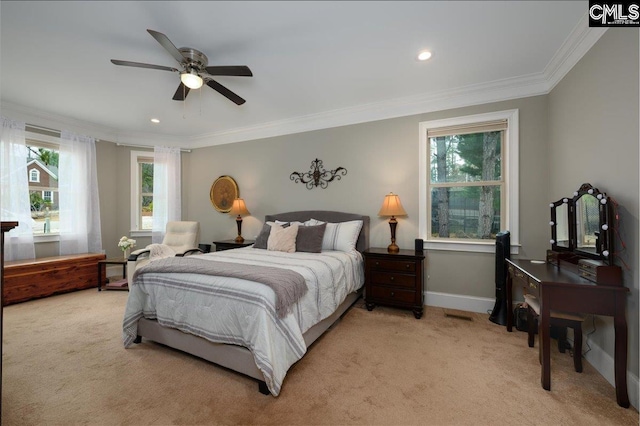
x=317 y=175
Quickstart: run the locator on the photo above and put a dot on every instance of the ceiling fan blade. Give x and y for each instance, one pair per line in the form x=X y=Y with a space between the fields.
x=166 y=43
x=225 y=92
x=233 y=70
x=181 y=93
x=141 y=65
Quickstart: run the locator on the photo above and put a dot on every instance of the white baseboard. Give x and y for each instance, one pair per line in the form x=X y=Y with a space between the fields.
x=599 y=359
x=605 y=364
x=462 y=303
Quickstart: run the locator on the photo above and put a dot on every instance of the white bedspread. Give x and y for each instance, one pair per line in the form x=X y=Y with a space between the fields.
x=236 y=311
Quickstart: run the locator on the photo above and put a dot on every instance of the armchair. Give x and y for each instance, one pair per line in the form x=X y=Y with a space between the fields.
x=181 y=239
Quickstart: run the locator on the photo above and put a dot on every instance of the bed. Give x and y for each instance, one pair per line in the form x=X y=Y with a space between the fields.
x=236 y=322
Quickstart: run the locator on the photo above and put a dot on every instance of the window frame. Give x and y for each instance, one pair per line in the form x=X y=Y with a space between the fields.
x=511 y=185
x=34 y=172
x=47 y=141
x=136 y=196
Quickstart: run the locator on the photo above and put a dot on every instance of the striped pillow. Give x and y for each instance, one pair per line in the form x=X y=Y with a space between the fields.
x=341 y=236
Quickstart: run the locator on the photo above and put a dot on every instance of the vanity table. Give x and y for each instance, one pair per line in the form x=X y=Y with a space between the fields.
x=578 y=276
x=559 y=288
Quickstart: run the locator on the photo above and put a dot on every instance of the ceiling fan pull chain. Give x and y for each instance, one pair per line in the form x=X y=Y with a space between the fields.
x=184 y=104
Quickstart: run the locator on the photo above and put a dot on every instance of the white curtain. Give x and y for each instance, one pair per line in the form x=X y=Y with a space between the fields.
x=79 y=202
x=167 y=196
x=14 y=191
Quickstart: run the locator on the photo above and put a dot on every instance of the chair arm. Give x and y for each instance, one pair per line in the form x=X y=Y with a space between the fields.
x=133 y=256
x=190 y=252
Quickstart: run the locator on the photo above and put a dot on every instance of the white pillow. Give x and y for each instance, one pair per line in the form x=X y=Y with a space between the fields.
x=282 y=239
x=341 y=236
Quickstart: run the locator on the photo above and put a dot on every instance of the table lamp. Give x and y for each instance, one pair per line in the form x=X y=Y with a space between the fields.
x=391 y=206
x=239 y=208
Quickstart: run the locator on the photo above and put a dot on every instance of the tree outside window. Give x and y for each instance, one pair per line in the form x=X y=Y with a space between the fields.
x=468 y=170
x=466 y=183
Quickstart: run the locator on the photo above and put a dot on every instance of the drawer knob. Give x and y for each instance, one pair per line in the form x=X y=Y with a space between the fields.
x=377 y=263
x=392 y=294
x=408 y=266
x=392 y=278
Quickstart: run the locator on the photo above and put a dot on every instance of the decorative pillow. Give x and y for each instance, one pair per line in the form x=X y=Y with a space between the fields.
x=261 y=239
x=285 y=224
x=309 y=238
x=341 y=236
x=282 y=239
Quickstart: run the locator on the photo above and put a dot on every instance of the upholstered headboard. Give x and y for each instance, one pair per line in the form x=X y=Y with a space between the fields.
x=327 y=216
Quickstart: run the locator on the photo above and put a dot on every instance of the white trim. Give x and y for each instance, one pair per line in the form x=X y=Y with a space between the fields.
x=605 y=364
x=53 y=237
x=37 y=175
x=581 y=39
x=598 y=358
x=511 y=170
x=455 y=301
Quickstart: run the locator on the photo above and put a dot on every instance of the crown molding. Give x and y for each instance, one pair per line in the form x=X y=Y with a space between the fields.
x=57 y=122
x=496 y=91
x=581 y=39
x=577 y=44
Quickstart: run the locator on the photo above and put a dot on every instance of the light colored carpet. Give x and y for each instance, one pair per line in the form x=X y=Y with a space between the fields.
x=63 y=363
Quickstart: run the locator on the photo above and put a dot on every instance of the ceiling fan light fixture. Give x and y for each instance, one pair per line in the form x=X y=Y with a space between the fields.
x=191 y=79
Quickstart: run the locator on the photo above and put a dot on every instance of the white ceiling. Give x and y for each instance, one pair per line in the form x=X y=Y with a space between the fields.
x=315 y=64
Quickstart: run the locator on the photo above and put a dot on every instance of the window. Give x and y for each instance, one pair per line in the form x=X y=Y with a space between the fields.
x=469 y=181
x=142 y=191
x=43 y=152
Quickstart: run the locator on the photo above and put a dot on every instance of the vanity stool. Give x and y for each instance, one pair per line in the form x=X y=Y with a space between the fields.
x=562 y=320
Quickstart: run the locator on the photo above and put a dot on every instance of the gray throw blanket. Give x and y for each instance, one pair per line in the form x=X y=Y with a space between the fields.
x=289 y=286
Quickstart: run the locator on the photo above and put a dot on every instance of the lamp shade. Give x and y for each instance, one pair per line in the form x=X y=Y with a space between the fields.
x=191 y=80
x=391 y=206
x=238 y=207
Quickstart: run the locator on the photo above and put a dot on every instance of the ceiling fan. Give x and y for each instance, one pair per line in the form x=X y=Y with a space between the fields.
x=194 y=70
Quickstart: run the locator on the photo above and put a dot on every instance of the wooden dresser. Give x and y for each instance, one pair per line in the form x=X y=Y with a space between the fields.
x=394 y=279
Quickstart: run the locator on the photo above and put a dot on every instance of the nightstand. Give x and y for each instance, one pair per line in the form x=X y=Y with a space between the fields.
x=231 y=244
x=394 y=279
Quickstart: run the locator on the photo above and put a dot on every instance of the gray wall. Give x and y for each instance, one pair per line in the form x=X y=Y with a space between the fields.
x=380 y=157
x=593 y=133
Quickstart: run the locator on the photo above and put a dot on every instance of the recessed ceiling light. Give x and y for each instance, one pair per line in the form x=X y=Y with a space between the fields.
x=155 y=120
x=424 y=55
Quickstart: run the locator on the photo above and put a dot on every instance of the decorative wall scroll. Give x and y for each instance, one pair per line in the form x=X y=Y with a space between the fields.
x=223 y=191
x=317 y=175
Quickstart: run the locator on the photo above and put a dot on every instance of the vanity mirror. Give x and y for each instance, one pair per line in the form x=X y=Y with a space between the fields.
x=560 y=238
x=581 y=225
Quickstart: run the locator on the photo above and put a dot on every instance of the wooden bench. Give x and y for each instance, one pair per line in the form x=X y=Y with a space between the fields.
x=35 y=278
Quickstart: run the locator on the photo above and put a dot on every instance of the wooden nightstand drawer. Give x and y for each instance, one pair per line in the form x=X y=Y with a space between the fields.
x=393 y=265
x=393 y=279
x=391 y=294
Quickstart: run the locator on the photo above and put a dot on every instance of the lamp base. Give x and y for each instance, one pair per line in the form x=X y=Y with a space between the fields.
x=239 y=238
x=393 y=248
